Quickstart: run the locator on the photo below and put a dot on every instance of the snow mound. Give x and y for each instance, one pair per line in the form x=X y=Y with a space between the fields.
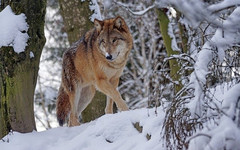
x=110 y=132
x=13 y=30
x=226 y=134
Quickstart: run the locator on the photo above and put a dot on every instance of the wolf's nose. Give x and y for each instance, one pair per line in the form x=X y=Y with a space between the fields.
x=109 y=57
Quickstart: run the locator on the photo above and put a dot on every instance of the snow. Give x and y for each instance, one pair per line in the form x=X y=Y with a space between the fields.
x=223 y=4
x=223 y=38
x=226 y=134
x=231 y=98
x=117 y=132
x=137 y=13
x=13 y=30
x=142 y=12
x=226 y=131
x=96 y=11
x=172 y=36
x=193 y=16
x=107 y=4
x=109 y=132
x=31 y=54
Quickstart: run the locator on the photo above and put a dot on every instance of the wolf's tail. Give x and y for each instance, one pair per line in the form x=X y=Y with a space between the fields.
x=63 y=106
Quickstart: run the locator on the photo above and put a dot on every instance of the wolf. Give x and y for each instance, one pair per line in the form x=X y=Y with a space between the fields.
x=96 y=61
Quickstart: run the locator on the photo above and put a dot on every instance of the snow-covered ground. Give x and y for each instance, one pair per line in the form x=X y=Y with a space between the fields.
x=121 y=131
x=109 y=132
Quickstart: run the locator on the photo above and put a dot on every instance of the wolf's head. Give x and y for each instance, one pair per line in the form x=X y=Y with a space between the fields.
x=114 y=39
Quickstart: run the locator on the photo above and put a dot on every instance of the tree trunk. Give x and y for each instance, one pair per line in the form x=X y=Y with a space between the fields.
x=183 y=35
x=76 y=18
x=76 y=21
x=173 y=64
x=19 y=72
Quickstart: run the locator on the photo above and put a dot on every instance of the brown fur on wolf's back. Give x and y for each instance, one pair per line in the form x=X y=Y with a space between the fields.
x=96 y=61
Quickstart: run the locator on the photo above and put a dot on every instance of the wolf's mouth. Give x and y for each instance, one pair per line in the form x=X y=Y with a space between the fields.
x=116 y=56
x=110 y=58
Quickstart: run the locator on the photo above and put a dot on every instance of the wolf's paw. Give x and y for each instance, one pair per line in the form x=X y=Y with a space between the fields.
x=74 y=123
x=108 y=111
x=123 y=107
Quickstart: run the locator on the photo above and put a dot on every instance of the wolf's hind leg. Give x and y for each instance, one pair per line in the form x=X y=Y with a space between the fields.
x=74 y=100
x=87 y=95
x=73 y=120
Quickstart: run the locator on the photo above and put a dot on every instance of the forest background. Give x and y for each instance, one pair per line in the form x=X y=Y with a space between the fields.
x=185 y=54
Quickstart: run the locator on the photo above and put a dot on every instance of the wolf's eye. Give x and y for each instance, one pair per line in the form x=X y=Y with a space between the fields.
x=114 y=40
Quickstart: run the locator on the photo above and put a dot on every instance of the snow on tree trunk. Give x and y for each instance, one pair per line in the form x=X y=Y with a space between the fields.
x=19 y=71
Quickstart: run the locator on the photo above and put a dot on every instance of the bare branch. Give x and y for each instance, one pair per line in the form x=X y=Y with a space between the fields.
x=139 y=13
x=199 y=134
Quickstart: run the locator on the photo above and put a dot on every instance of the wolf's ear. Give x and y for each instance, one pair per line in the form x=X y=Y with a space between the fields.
x=120 y=24
x=98 y=25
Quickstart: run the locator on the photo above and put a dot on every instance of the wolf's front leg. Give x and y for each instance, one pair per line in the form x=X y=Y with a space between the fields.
x=108 y=89
x=109 y=106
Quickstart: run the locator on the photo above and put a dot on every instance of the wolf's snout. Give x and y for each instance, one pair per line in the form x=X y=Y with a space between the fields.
x=109 y=56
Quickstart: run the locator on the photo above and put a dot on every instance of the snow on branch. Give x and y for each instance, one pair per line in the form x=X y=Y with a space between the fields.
x=138 y=13
x=13 y=30
x=226 y=134
x=224 y=5
x=223 y=38
x=230 y=100
x=194 y=11
x=93 y=6
x=96 y=11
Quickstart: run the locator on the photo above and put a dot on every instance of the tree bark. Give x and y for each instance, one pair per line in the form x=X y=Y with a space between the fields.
x=183 y=34
x=19 y=72
x=173 y=64
x=76 y=18
x=76 y=21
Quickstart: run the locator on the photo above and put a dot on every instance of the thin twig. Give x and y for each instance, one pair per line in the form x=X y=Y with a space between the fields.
x=139 y=13
x=199 y=134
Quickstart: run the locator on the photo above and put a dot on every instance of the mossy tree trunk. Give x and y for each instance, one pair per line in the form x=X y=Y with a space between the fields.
x=19 y=72
x=173 y=64
x=76 y=21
